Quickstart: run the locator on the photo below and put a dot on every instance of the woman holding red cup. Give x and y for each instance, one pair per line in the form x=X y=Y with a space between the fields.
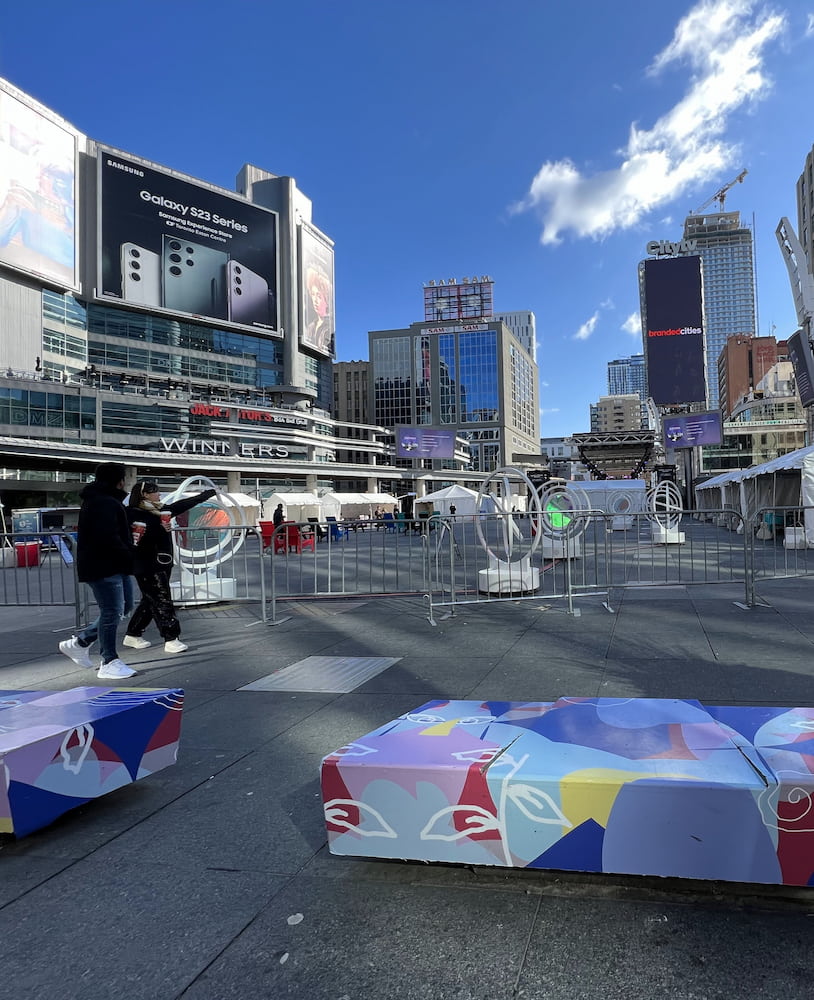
x=153 y=563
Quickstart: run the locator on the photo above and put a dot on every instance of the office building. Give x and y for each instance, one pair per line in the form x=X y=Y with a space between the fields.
x=616 y=413
x=472 y=378
x=725 y=246
x=742 y=363
x=162 y=321
x=627 y=376
x=805 y=209
x=523 y=325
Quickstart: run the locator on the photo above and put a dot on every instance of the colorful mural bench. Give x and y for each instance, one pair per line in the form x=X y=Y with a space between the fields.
x=629 y=786
x=60 y=749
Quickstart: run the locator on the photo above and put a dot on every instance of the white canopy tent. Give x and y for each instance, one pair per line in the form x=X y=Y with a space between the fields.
x=296 y=506
x=462 y=498
x=349 y=505
x=787 y=481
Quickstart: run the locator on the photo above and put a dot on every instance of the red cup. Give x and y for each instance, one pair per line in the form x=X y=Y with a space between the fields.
x=138 y=528
x=166 y=520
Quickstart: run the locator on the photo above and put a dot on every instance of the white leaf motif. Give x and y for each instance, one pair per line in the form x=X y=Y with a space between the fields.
x=477 y=820
x=336 y=813
x=537 y=805
x=353 y=750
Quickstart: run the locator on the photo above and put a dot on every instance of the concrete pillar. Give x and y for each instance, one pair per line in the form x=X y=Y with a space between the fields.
x=420 y=488
x=233 y=481
x=130 y=477
x=310 y=483
x=372 y=485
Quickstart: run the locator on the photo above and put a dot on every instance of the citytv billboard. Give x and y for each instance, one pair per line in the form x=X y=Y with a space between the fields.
x=37 y=193
x=688 y=430
x=674 y=338
x=168 y=243
x=317 y=288
x=424 y=442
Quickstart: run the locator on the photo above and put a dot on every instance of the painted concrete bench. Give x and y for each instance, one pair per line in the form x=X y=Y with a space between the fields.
x=629 y=786
x=60 y=749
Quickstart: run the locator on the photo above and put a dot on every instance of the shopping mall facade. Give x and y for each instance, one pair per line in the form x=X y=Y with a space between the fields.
x=152 y=318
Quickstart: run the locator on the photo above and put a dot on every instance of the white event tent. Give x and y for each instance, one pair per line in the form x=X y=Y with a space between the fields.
x=787 y=481
x=462 y=498
x=350 y=505
x=296 y=506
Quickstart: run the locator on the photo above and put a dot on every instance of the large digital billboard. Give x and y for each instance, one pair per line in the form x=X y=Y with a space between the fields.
x=424 y=442
x=802 y=361
x=37 y=193
x=317 y=286
x=674 y=338
x=688 y=430
x=168 y=243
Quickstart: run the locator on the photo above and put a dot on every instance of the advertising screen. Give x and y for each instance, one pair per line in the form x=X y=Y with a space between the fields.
x=424 y=442
x=802 y=361
x=674 y=339
x=167 y=243
x=691 y=429
x=37 y=193
x=317 y=305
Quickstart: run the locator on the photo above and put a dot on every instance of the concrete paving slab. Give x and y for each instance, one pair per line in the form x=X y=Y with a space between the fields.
x=242 y=721
x=22 y=874
x=124 y=931
x=236 y=820
x=544 y=677
x=669 y=951
x=629 y=677
x=438 y=676
x=380 y=951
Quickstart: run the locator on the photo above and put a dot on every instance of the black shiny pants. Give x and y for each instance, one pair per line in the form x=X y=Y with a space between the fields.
x=156 y=604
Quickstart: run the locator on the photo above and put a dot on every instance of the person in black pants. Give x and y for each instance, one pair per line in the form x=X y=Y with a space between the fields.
x=153 y=564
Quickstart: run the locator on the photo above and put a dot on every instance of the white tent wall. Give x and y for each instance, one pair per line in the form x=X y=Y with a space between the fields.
x=807 y=497
x=351 y=505
x=296 y=506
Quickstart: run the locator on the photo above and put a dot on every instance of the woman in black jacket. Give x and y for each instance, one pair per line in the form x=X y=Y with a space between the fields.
x=153 y=564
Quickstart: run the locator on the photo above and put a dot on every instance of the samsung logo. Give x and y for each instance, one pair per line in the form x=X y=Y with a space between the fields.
x=123 y=166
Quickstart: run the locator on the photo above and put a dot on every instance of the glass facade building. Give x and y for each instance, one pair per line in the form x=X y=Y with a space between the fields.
x=476 y=378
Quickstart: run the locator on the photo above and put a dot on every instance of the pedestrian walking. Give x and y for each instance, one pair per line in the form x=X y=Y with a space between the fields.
x=278 y=516
x=104 y=560
x=150 y=522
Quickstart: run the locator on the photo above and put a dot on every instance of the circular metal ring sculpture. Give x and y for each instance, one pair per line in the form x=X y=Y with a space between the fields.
x=563 y=514
x=509 y=532
x=664 y=505
x=210 y=525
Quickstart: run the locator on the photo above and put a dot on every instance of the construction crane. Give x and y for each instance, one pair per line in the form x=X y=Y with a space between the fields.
x=720 y=195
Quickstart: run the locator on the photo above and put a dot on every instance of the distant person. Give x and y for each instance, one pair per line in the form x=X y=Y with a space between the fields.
x=153 y=564
x=279 y=515
x=104 y=560
x=453 y=509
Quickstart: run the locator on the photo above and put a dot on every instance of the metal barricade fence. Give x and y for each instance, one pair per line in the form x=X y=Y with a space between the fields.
x=473 y=564
x=37 y=568
x=778 y=544
x=347 y=559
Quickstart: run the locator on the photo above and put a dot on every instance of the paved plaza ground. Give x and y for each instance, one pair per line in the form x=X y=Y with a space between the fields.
x=212 y=880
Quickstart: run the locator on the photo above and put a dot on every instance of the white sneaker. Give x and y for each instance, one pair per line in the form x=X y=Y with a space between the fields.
x=115 y=670
x=79 y=654
x=175 y=646
x=136 y=642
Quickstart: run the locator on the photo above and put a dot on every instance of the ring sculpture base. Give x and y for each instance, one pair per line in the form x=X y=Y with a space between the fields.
x=60 y=749
x=502 y=577
x=666 y=536
x=629 y=786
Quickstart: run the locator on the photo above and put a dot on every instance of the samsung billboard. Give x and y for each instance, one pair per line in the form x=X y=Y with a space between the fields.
x=37 y=193
x=168 y=243
x=689 y=430
x=317 y=286
x=674 y=338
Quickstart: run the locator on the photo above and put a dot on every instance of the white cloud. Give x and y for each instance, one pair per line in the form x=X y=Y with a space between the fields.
x=633 y=325
x=810 y=25
x=723 y=44
x=587 y=327
x=554 y=409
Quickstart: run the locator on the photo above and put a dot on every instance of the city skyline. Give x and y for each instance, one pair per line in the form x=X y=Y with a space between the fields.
x=550 y=172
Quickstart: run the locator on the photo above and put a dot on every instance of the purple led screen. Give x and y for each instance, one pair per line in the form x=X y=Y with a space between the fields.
x=423 y=442
x=692 y=429
x=674 y=339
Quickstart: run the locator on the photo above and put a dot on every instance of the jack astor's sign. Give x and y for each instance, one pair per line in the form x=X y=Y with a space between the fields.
x=246 y=415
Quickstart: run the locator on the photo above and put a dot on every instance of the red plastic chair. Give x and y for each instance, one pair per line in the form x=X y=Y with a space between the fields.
x=297 y=541
x=266 y=533
x=280 y=537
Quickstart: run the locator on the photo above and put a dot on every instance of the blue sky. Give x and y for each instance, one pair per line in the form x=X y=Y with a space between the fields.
x=541 y=142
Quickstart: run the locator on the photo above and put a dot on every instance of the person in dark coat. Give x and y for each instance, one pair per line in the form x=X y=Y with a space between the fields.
x=153 y=564
x=104 y=560
x=278 y=516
